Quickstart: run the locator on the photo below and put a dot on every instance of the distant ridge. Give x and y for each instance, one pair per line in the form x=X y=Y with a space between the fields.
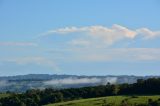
x=21 y=83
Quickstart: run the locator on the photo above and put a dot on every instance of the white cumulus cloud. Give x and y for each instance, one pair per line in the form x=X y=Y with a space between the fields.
x=103 y=34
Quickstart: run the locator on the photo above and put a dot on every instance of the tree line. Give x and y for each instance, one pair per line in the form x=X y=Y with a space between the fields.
x=36 y=97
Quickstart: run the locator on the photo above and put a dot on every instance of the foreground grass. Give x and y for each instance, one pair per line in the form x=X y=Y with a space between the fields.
x=4 y=95
x=112 y=100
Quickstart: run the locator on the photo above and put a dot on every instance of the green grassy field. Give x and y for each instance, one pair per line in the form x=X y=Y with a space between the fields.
x=4 y=95
x=112 y=100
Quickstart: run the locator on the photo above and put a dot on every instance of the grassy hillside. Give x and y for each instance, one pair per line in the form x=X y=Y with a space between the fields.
x=4 y=95
x=112 y=100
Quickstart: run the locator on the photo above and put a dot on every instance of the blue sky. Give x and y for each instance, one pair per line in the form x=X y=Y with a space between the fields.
x=82 y=37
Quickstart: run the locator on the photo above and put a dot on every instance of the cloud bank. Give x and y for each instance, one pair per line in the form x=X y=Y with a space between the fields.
x=73 y=81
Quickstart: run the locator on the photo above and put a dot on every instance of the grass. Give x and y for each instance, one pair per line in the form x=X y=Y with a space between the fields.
x=2 y=95
x=112 y=100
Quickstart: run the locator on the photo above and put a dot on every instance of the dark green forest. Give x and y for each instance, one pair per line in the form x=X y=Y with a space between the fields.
x=36 y=97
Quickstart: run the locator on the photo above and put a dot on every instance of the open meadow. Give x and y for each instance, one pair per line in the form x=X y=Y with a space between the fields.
x=108 y=101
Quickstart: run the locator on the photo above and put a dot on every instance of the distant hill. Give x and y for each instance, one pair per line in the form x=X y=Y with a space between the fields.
x=21 y=83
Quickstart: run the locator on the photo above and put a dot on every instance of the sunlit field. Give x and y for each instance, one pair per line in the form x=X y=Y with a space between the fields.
x=108 y=101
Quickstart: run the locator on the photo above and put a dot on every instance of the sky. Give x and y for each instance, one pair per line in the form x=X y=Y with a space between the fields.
x=80 y=37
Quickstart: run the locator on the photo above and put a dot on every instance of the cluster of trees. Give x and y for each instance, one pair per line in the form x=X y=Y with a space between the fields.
x=32 y=98
x=149 y=86
x=41 y=97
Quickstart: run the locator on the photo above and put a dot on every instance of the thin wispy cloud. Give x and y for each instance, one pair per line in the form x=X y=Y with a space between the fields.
x=114 y=54
x=134 y=54
x=18 y=44
x=41 y=61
